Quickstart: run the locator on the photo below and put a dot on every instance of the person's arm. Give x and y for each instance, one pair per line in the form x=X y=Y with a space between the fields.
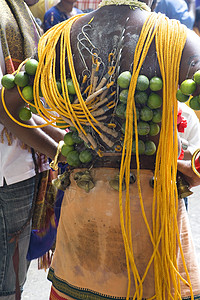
x=185 y=167
x=190 y=60
x=54 y=132
x=36 y=138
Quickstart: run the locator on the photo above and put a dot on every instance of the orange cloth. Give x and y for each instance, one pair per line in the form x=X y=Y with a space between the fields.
x=89 y=260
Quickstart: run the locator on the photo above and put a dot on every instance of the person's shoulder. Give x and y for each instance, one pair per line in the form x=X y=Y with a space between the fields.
x=51 y=10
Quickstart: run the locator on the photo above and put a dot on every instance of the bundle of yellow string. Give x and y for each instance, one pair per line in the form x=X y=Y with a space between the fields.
x=170 y=39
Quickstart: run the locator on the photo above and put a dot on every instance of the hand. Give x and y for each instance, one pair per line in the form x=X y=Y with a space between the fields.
x=185 y=167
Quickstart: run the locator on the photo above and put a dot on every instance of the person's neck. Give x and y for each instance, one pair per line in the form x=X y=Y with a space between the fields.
x=65 y=7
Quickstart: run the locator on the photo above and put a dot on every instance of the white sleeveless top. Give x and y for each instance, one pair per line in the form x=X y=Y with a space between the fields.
x=16 y=164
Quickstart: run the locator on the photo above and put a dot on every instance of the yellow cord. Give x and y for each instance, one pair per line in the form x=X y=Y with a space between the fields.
x=169 y=37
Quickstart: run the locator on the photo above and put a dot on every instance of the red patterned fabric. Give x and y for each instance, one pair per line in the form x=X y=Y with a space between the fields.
x=55 y=296
x=181 y=122
x=87 y=4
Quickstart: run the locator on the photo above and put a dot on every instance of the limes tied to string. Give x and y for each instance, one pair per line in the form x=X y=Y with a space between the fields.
x=142 y=83
x=31 y=66
x=154 y=129
x=123 y=96
x=141 y=97
x=73 y=158
x=124 y=79
x=70 y=86
x=25 y=114
x=146 y=114
x=150 y=148
x=156 y=83
x=21 y=79
x=85 y=156
x=68 y=140
x=27 y=92
x=8 y=81
x=66 y=149
x=143 y=128
x=157 y=115
x=195 y=103
x=154 y=101
x=141 y=147
x=188 y=87
x=196 y=77
x=181 y=97
x=120 y=110
x=76 y=138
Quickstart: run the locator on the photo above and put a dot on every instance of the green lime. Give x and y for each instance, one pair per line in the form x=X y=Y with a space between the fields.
x=143 y=128
x=150 y=148
x=154 y=129
x=62 y=125
x=21 y=79
x=68 y=139
x=195 y=103
x=157 y=115
x=85 y=156
x=123 y=96
x=141 y=147
x=146 y=114
x=73 y=158
x=154 y=101
x=70 y=86
x=27 y=92
x=188 y=87
x=59 y=86
x=181 y=97
x=31 y=66
x=120 y=110
x=8 y=81
x=142 y=83
x=124 y=79
x=156 y=83
x=25 y=114
x=66 y=149
x=76 y=138
x=197 y=77
x=141 y=97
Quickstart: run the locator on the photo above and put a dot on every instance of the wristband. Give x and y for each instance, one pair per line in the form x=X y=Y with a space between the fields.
x=195 y=163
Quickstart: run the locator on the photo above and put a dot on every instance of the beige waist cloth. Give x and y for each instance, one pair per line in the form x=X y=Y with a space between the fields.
x=89 y=261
